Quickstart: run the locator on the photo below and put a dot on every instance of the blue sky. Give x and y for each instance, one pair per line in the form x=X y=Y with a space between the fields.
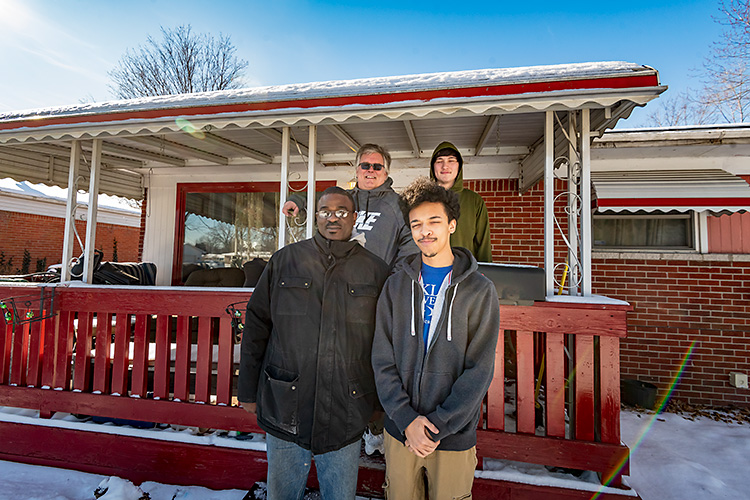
x=59 y=52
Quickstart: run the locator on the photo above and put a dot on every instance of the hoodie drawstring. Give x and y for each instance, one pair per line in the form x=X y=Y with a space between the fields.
x=413 y=311
x=450 y=313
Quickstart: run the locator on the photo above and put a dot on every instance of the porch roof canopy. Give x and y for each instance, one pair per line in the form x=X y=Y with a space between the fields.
x=497 y=112
x=713 y=190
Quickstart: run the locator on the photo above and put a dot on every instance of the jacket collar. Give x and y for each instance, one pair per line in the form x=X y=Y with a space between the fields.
x=337 y=249
x=463 y=265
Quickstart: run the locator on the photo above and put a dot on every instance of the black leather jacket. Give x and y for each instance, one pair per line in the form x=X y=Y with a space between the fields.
x=307 y=343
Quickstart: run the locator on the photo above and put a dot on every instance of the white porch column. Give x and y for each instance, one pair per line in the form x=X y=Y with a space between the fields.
x=312 y=147
x=549 y=194
x=572 y=205
x=285 y=142
x=70 y=209
x=587 y=227
x=88 y=259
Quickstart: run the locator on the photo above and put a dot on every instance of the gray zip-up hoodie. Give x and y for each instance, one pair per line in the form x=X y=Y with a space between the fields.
x=380 y=219
x=448 y=382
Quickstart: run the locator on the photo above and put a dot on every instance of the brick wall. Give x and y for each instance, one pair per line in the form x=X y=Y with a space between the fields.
x=675 y=301
x=42 y=236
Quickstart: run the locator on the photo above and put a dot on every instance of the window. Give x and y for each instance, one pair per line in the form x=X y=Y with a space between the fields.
x=643 y=230
x=228 y=224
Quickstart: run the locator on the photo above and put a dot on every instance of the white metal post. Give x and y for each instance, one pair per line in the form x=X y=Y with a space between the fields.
x=549 y=194
x=311 y=154
x=587 y=227
x=572 y=205
x=70 y=210
x=88 y=259
x=285 y=142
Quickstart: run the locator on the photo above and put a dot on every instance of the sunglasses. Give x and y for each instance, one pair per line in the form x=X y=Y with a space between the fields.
x=375 y=166
x=327 y=214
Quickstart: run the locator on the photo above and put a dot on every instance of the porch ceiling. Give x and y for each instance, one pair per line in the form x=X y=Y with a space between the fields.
x=489 y=113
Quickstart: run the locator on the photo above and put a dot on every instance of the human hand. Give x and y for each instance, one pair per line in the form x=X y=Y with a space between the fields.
x=418 y=441
x=249 y=407
x=290 y=209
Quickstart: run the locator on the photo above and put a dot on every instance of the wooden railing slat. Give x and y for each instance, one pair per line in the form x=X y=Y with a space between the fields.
x=139 y=378
x=63 y=350
x=19 y=356
x=584 y=387
x=36 y=352
x=225 y=363
x=609 y=359
x=48 y=350
x=6 y=341
x=102 y=353
x=496 y=393
x=525 y=382
x=121 y=361
x=182 y=359
x=203 y=361
x=161 y=364
x=83 y=352
x=554 y=361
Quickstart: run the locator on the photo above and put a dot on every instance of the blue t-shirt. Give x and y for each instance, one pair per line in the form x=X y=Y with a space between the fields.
x=432 y=279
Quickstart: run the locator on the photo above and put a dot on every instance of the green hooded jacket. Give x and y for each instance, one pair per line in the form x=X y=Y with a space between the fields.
x=473 y=225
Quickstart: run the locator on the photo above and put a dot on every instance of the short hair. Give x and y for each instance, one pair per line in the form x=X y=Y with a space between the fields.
x=423 y=190
x=448 y=151
x=337 y=190
x=374 y=148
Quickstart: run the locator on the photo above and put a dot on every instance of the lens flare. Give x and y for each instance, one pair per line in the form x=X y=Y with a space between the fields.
x=188 y=127
x=650 y=423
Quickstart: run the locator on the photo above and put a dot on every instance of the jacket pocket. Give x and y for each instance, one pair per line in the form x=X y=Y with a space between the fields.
x=362 y=398
x=363 y=297
x=294 y=294
x=278 y=399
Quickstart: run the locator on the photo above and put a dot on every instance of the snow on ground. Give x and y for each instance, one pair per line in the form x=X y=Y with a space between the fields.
x=682 y=459
x=673 y=458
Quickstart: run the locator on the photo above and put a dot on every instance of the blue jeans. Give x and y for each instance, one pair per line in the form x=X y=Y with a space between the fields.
x=289 y=465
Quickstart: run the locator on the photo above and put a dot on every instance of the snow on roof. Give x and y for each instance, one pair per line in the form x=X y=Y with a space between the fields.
x=57 y=193
x=358 y=87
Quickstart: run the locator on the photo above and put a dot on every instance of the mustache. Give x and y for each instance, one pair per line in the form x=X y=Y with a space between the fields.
x=333 y=224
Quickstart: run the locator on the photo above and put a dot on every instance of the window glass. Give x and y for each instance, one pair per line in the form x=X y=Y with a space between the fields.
x=228 y=224
x=228 y=229
x=672 y=231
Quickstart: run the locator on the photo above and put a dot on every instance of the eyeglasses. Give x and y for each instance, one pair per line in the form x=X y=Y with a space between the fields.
x=327 y=214
x=367 y=166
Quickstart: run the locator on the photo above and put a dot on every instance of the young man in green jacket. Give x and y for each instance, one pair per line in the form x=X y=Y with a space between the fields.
x=473 y=228
x=433 y=354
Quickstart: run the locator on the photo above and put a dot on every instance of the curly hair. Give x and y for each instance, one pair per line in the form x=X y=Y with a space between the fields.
x=423 y=190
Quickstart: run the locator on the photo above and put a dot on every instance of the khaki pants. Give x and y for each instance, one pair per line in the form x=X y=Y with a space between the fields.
x=450 y=474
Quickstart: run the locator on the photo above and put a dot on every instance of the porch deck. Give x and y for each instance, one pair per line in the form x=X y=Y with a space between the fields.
x=562 y=355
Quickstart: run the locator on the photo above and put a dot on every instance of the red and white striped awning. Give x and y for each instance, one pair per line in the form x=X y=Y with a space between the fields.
x=714 y=190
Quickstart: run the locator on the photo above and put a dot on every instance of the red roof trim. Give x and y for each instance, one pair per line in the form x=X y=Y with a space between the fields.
x=622 y=82
x=673 y=202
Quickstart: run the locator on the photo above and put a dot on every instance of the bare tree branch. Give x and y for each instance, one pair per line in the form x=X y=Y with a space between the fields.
x=182 y=62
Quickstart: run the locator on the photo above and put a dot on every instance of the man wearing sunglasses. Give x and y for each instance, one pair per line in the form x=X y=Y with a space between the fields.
x=305 y=365
x=379 y=218
x=473 y=228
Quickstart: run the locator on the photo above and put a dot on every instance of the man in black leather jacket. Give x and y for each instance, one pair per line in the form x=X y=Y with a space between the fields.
x=305 y=364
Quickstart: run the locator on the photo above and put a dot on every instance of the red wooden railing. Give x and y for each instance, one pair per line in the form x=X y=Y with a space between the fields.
x=554 y=399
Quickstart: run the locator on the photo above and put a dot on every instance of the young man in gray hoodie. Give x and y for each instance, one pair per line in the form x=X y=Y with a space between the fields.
x=433 y=353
